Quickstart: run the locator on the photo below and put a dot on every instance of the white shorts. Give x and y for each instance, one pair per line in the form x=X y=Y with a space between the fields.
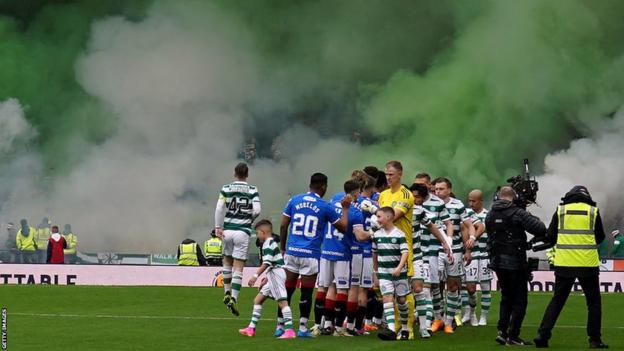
x=455 y=269
x=275 y=288
x=394 y=287
x=434 y=271
x=367 y=273
x=301 y=265
x=442 y=266
x=356 y=269
x=419 y=271
x=472 y=272
x=338 y=272
x=485 y=273
x=236 y=244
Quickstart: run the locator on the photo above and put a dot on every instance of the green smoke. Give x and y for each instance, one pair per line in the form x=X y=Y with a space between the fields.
x=39 y=44
x=521 y=80
x=322 y=50
x=319 y=52
x=463 y=89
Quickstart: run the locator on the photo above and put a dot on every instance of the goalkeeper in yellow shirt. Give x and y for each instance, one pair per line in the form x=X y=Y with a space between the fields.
x=401 y=200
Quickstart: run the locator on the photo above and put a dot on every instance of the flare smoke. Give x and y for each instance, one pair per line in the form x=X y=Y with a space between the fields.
x=125 y=119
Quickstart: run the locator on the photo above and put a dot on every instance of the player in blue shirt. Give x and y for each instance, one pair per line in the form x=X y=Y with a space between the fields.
x=304 y=224
x=365 y=268
x=380 y=186
x=368 y=203
x=335 y=264
x=361 y=254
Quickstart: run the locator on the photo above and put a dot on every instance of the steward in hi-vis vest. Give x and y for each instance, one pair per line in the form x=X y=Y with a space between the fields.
x=26 y=243
x=72 y=244
x=190 y=254
x=576 y=232
x=213 y=250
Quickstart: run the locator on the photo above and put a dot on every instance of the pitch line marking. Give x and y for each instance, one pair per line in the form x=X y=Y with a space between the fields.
x=64 y=315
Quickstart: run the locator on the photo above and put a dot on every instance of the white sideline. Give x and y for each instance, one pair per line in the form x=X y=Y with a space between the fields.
x=62 y=315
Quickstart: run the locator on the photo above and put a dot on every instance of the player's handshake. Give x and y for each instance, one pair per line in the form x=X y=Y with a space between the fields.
x=374 y=223
x=368 y=206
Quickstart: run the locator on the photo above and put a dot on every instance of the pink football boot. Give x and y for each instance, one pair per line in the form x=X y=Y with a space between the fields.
x=249 y=331
x=288 y=334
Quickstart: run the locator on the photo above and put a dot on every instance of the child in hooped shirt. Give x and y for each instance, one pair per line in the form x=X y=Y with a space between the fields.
x=272 y=286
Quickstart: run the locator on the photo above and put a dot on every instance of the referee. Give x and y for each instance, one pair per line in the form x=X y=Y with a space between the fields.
x=576 y=229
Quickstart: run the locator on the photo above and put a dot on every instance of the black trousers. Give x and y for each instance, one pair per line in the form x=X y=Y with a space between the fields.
x=563 y=286
x=513 y=285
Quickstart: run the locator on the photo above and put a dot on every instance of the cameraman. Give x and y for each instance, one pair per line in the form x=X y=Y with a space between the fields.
x=507 y=225
x=576 y=229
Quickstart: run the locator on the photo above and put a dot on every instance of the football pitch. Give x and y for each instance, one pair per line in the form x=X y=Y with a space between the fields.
x=174 y=318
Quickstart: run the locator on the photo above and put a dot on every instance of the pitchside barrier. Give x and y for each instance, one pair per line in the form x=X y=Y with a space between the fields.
x=132 y=275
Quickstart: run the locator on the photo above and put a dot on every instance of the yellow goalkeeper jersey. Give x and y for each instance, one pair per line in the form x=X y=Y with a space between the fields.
x=401 y=200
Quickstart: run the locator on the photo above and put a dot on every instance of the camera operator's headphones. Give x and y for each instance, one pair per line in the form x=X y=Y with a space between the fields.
x=497 y=193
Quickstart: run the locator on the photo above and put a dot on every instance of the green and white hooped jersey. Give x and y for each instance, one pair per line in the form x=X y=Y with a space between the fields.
x=239 y=198
x=479 y=251
x=458 y=213
x=420 y=220
x=437 y=213
x=389 y=248
x=271 y=254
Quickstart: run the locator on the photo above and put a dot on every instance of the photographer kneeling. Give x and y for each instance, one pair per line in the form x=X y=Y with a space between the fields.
x=507 y=243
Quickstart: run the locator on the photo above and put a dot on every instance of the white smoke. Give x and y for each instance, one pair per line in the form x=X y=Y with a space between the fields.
x=597 y=163
x=180 y=84
x=177 y=82
x=20 y=169
x=14 y=128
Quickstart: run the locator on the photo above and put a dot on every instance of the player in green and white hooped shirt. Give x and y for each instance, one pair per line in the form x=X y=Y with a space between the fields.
x=436 y=209
x=475 y=201
x=390 y=253
x=460 y=247
x=237 y=207
x=273 y=285
x=422 y=220
x=471 y=277
x=425 y=179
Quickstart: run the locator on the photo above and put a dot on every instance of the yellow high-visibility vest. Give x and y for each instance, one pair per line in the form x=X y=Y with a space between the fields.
x=188 y=255
x=212 y=247
x=576 y=243
x=72 y=243
x=43 y=235
x=26 y=243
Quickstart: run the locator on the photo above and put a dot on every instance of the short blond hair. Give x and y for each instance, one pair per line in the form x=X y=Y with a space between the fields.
x=395 y=164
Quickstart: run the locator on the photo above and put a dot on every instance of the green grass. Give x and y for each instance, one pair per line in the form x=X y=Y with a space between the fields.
x=163 y=318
